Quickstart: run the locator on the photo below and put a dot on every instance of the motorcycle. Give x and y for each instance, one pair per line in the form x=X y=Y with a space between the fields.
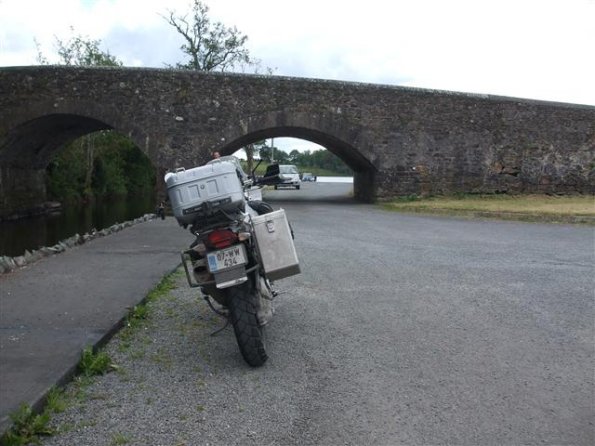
x=241 y=245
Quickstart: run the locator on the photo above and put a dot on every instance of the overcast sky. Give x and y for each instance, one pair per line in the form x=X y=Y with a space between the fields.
x=539 y=49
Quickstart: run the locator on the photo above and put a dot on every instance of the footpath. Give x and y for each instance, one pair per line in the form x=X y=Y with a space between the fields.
x=51 y=310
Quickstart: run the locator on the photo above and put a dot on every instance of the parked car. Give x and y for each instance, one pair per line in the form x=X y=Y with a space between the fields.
x=289 y=176
x=281 y=175
x=307 y=176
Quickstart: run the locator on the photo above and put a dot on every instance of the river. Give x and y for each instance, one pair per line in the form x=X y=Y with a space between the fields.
x=47 y=230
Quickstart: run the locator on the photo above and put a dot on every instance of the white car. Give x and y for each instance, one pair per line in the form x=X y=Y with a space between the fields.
x=289 y=176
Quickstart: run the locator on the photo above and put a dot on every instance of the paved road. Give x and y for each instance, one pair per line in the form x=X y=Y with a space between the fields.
x=51 y=310
x=427 y=330
x=400 y=330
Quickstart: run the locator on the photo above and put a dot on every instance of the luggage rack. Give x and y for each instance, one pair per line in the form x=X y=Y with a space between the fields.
x=220 y=217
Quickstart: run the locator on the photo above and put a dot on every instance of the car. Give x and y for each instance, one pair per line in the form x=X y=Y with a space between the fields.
x=307 y=176
x=289 y=176
x=281 y=175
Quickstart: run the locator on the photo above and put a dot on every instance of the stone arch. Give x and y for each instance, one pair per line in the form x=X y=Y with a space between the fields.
x=337 y=136
x=27 y=148
x=35 y=131
x=32 y=143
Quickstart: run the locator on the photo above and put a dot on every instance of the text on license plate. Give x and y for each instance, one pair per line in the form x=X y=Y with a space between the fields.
x=226 y=258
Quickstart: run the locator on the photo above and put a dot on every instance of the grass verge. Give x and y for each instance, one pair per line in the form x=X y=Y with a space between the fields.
x=534 y=208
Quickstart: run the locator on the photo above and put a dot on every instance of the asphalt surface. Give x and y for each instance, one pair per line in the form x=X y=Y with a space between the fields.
x=51 y=310
x=400 y=330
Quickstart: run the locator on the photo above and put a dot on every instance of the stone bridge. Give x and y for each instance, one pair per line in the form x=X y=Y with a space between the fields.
x=397 y=140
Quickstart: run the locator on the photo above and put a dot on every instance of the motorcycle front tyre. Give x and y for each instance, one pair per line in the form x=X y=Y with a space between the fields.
x=249 y=334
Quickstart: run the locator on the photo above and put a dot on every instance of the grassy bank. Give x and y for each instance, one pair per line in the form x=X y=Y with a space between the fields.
x=563 y=209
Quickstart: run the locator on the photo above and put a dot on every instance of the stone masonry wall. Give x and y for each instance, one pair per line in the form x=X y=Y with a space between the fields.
x=398 y=140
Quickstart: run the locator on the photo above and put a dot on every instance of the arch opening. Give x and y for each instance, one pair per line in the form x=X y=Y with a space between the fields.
x=31 y=144
x=362 y=168
x=71 y=159
x=345 y=151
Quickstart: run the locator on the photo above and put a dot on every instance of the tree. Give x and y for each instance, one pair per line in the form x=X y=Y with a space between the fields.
x=294 y=156
x=81 y=51
x=265 y=152
x=209 y=46
x=102 y=163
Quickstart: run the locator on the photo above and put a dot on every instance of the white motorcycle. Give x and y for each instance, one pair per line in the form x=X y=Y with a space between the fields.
x=241 y=245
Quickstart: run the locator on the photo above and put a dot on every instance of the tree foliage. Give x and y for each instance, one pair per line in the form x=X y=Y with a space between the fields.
x=319 y=159
x=84 y=52
x=98 y=164
x=307 y=160
x=80 y=50
x=209 y=46
x=119 y=168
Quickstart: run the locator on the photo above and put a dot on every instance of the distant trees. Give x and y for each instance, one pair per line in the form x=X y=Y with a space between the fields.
x=322 y=159
x=318 y=159
x=271 y=153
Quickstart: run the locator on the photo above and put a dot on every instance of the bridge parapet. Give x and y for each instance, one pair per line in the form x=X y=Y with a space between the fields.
x=398 y=140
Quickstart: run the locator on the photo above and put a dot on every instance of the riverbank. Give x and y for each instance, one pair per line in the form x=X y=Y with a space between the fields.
x=31 y=233
x=9 y=264
x=532 y=208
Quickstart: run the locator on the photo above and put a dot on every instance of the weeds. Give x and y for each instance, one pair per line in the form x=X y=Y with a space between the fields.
x=119 y=439
x=27 y=427
x=92 y=364
x=56 y=401
x=141 y=312
x=164 y=287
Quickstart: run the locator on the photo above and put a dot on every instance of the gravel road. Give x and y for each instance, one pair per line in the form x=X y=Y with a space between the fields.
x=400 y=330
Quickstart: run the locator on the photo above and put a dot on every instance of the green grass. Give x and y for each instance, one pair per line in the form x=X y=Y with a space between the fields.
x=56 y=401
x=27 y=427
x=119 y=439
x=167 y=284
x=570 y=209
x=92 y=364
x=140 y=313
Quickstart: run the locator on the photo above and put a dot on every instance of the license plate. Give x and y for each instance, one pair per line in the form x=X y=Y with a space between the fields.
x=226 y=258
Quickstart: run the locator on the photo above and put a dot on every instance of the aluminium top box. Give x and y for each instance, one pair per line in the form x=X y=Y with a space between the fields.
x=275 y=245
x=203 y=190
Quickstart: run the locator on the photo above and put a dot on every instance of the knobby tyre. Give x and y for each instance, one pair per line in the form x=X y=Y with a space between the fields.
x=249 y=334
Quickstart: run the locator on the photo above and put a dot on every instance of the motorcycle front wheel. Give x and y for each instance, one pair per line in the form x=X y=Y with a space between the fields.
x=249 y=334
